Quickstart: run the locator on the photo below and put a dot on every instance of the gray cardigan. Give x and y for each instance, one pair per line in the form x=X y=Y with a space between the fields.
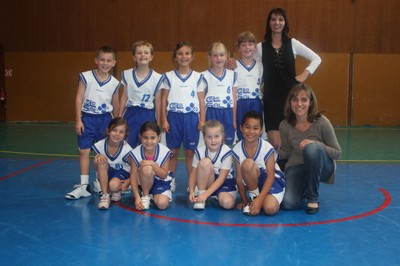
x=321 y=130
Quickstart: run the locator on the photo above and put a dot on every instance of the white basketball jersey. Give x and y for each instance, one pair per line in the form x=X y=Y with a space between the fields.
x=160 y=157
x=222 y=159
x=219 y=92
x=249 y=80
x=98 y=94
x=119 y=161
x=182 y=97
x=141 y=93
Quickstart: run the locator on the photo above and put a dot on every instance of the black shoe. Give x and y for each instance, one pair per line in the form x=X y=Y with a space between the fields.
x=312 y=210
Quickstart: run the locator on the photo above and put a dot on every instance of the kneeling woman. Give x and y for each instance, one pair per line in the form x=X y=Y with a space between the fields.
x=310 y=145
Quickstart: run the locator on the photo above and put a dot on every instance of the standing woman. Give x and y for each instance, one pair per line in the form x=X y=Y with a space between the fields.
x=310 y=145
x=278 y=53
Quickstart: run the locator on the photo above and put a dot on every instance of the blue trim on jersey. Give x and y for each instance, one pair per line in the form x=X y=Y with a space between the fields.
x=257 y=151
x=183 y=79
x=216 y=155
x=248 y=68
x=215 y=75
x=268 y=155
x=101 y=83
x=82 y=77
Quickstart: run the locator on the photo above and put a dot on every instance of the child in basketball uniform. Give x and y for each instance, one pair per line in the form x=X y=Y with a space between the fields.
x=140 y=100
x=96 y=102
x=221 y=91
x=249 y=78
x=150 y=167
x=112 y=162
x=182 y=106
x=257 y=170
x=212 y=170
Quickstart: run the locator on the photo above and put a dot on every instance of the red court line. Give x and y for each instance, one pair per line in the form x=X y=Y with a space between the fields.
x=25 y=169
x=385 y=204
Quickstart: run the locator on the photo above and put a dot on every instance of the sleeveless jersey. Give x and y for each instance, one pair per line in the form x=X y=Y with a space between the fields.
x=264 y=151
x=120 y=160
x=249 y=80
x=219 y=92
x=182 y=97
x=221 y=160
x=141 y=93
x=160 y=157
x=98 y=95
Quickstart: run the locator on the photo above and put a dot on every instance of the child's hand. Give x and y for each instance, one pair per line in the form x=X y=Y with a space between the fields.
x=201 y=198
x=165 y=126
x=241 y=205
x=100 y=159
x=255 y=206
x=79 y=128
x=147 y=163
x=192 y=198
x=138 y=204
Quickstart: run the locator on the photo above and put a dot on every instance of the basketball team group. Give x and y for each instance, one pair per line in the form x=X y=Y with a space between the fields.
x=249 y=129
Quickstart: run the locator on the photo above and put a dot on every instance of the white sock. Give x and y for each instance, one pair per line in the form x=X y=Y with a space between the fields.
x=84 y=179
x=201 y=191
x=254 y=193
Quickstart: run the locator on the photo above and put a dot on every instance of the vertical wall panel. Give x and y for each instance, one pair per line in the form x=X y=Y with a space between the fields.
x=376 y=90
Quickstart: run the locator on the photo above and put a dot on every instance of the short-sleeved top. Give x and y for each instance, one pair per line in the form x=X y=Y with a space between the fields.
x=118 y=161
x=264 y=151
x=182 y=97
x=219 y=90
x=141 y=93
x=249 y=79
x=221 y=159
x=97 y=98
x=161 y=156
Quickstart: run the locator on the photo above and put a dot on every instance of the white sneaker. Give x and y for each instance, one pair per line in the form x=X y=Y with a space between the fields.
x=104 y=203
x=146 y=202
x=96 y=186
x=246 y=209
x=173 y=185
x=116 y=196
x=199 y=206
x=79 y=191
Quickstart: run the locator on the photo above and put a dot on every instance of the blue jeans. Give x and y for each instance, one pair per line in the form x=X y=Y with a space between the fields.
x=302 y=181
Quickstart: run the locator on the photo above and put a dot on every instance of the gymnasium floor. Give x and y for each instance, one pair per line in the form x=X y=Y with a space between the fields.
x=358 y=222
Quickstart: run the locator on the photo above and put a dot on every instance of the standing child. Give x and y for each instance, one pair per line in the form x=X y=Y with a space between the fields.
x=221 y=91
x=249 y=79
x=150 y=167
x=96 y=101
x=182 y=106
x=140 y=100
x=212 y=170
x=111 y=162
x=257 y=170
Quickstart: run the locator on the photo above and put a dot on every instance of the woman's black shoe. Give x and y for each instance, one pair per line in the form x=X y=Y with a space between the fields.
x=312 y=210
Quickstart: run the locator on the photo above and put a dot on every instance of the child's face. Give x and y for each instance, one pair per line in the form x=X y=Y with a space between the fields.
x=184 y=56
x=149 y=140
x=218 y=59
x=143 y=55
x=213 y=138
x=251 y=129
x=105 y=62
x=247 y=49
x=117 y=134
